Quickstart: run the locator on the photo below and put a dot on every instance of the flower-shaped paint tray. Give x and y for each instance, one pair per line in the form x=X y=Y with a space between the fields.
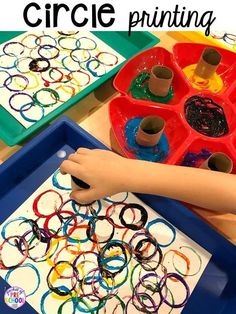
x=181 y=136
x=123 y=109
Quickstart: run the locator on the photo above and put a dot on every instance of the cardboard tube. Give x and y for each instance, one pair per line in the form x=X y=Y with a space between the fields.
x=160 y=80
x=218 y=162
x=150 y=131
x=77 y=184
x=208 y=63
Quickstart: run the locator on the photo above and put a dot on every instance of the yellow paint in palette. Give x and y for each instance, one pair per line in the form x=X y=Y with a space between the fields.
x=214 y=84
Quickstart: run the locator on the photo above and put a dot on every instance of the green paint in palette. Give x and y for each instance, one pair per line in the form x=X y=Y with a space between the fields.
x=139 y=90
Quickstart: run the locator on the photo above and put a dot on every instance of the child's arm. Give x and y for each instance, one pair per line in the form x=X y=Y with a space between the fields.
x=108 y=173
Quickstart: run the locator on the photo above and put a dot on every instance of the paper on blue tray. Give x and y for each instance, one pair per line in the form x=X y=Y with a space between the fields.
x=22 y=174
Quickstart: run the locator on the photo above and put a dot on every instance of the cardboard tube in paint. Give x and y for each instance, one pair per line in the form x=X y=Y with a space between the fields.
x=77 y=184
x=218 y=162
x=160 y=80
x=150 y=131
x=208 y=63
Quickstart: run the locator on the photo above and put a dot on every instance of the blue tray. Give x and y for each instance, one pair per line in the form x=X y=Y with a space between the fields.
x=24 y=172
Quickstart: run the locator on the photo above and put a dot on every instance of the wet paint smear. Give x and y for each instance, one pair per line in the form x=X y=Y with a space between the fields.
x=192 y=159
x=155 y=153
x=139 y=90
x=206 y=116
x=214 y=84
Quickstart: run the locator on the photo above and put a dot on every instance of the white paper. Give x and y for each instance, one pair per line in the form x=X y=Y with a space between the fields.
x=26 y=278
x=77 y=81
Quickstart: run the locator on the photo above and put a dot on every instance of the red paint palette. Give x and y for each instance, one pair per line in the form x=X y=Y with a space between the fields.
x=144 y=62
x=181 y=136
x=122 y=109
x=186 y=54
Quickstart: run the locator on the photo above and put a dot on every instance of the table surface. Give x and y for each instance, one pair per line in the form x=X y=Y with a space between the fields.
x=92 y=114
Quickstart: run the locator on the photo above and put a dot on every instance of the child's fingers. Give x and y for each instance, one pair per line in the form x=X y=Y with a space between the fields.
x=71 y=168
x=83 y=151
x=83 y=196
x=76 y=158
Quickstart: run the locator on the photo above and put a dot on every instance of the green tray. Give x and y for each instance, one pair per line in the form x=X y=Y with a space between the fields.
x=12 y=132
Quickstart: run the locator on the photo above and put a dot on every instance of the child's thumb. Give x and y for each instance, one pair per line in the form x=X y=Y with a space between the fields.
x=84 y=196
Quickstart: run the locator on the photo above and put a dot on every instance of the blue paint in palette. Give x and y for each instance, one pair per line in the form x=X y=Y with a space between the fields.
x=157 y=153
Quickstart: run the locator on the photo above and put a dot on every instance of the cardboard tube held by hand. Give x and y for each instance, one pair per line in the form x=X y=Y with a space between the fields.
x=77 y=184
x=150 y=131
x=208 y=63
x=218 y=162
x=160 y=80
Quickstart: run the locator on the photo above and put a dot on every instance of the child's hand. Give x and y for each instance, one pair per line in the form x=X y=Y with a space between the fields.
x=104 y=171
